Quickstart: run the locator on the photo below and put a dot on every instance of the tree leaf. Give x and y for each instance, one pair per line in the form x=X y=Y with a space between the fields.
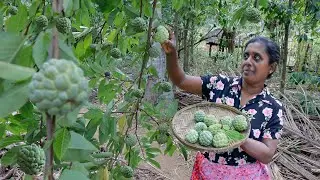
x=76 y=166
x=61 y=142
x=14 y=72
x=122 y=123
x=40 y=48
x=152 y=161
x=10 y=157
x=263 y=3
x=184 y=152
x=72 y=174
x=11 y=44
x=18 y=22
x=68 y=7
x=79 y=142
x=10 y=140
x=177 y=4
x=13 y=99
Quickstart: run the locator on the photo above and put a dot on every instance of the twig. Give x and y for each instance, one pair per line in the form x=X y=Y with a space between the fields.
x=8 y=175
x=150 y=116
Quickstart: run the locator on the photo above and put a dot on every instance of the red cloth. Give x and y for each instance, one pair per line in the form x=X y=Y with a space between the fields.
x=203 y=169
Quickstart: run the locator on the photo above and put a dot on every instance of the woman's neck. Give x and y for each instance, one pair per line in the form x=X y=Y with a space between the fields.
x=252 y=89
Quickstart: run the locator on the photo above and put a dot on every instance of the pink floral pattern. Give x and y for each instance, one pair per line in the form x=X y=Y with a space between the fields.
x=264 y=110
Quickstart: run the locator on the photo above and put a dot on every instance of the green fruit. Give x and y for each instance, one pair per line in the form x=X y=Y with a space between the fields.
x=165 y=86
x=199 y=116
x=220 y=140
x=161 y=34
x=138 y=24
x=31 y=159
x=163 y=128
x=192 y=136
x=205 y=138
x=138 y=93
x=41 y=21
x=210 y=119
x=226 y=127
x=13 y=10
x=200 y=126
x=226 y=120
x=126 y=171
x=63 y=25
x=155 y=50
x=162 y=138
x=253 y=14
x=59 y=87
x=131 y=140
x=215 y=128
x=240 y=123
x=115 y=52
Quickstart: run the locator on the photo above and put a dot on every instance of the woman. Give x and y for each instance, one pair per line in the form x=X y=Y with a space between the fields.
x=247 y=93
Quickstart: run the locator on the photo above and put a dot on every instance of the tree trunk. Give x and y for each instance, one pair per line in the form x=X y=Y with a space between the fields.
x=285 y=53
x=186 y=47
x=305 y=59
x=192 y=43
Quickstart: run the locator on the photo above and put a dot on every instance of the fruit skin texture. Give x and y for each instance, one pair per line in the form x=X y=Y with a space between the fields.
x=192 y=136
x=253 y=14
x=226 y=120
x=59 y=87
x=210 y=119
x=131 y=140
x=205 y=138
x=31 y=159
x=162 y=138
x=126 y=171
x=200 y=126
x=215 y=128
x=13 y=10
x=199 y=116
x=161 y=34
x=115 y=52
x=41 y=21
x=138 y=24
x=63 y=25
x=165 y=86
x=163 y=128
x=138 y=93
x=220 y=140
x=240 y=123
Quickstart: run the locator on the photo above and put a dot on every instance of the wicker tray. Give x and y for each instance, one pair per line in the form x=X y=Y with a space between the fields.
x=183 y=121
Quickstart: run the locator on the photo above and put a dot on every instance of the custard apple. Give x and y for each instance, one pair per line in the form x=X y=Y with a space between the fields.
x=163 y=128
x=126 y=171
x=41 y=21
x=31 y=159
x=220 y=140
x=165 y=86
x=240 y=123
x=115 y=52
x=200 y=126
x=162 y=138
x=205 y=138
x=210 y=119
x=13 y=10
x=161 y=34
x=138 y=93
x=226 y=127
x=63 y=25
x=253 y=15
x=199 y=116
x=226 y=120
x=138 y=24
x=155 y=50
x=215 y=128
x=131 y=140
x=59 y=87
x=192 y=136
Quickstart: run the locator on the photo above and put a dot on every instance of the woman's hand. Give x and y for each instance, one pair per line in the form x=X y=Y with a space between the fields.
x=169 y=45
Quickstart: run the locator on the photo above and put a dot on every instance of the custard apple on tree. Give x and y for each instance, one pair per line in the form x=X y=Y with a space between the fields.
x=163 y=128
x=226 y=120
x=215 y=128
x=41 y=21
x=253 y=14
x=210 y=119
x=165 y=86
x=31 y=159
x=220 y=140
x=205 y=138
x=200 y=126
x=63 y=25
x=115 y=52
x=240 y=123
x=126 y=171
x=13 y=10
x=192 y=136
x=131 y=140
x=161 y=34
x=162 y=138
x=199 y=116
x=138 y=93
x=138 y=24
x=59 y=87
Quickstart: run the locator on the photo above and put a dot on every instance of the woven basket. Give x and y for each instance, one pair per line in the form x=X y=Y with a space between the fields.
x=183 y=121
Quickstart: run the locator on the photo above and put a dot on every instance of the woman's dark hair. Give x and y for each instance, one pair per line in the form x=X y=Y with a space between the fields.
x=272 y=49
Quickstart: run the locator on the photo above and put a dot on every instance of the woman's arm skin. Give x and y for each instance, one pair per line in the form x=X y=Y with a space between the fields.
x=178 y=77
x=262 y=151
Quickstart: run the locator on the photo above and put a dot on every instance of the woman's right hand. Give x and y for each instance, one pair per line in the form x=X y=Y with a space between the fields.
x=169 y=45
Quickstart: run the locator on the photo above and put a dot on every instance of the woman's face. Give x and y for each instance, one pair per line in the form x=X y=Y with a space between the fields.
x=255 y=67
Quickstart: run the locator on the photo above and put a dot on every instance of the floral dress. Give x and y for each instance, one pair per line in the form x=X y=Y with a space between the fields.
x=265 y=111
